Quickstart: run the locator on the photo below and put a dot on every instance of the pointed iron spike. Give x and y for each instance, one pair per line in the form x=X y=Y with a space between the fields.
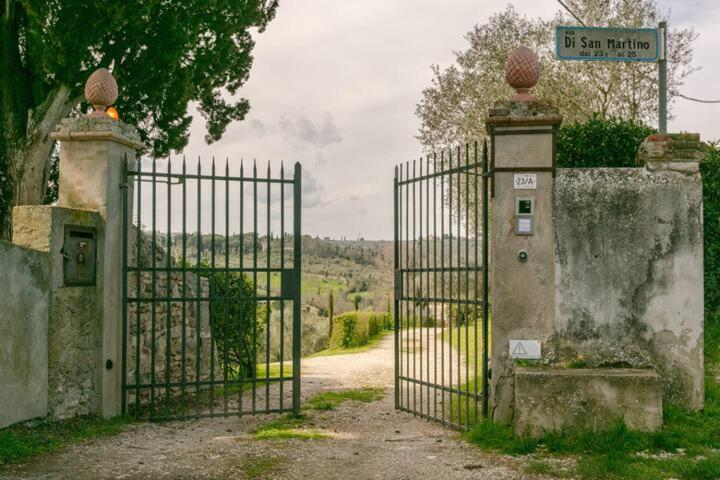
x=227 y=166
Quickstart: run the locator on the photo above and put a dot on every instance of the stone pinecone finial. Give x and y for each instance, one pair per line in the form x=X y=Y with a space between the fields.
x=522 y=72
x=101 y=91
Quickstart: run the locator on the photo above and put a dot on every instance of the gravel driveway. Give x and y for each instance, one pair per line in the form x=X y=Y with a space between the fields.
x=367 y=441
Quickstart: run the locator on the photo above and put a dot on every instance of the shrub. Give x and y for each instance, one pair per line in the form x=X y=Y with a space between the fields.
x=354 y=329
x=234 y=316
x=600 y=143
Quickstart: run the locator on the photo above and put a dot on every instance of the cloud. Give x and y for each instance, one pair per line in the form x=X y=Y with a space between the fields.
x=313 y=192
x=300 y=130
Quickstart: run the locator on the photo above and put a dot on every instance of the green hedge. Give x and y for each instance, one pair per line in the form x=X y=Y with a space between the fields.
x=710 y=169
x=354 y=329
x=600 y=143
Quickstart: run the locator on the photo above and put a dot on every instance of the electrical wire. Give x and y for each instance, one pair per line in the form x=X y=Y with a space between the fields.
x=695 y=99
x=572 y=13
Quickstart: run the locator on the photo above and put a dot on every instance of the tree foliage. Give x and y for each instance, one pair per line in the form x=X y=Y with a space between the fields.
x=164 y=55
x=453 y=107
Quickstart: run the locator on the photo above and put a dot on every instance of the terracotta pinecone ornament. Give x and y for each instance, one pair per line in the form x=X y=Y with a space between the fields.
x=522 y=72
x=101 y=91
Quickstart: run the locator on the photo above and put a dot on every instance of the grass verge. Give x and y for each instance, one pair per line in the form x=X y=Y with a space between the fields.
x=687 y=447
x=372 y=342
x=331 y=400
x=23 y=441
x=288 y=427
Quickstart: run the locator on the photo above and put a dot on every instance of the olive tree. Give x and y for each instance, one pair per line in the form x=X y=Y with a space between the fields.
x=453 y=107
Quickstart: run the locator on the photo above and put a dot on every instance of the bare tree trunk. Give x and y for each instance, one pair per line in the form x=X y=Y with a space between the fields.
x=30 y=164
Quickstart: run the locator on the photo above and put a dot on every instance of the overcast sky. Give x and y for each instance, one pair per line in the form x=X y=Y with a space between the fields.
x=335 y=83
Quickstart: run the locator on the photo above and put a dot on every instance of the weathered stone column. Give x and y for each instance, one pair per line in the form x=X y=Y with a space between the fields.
x=92 y=150
x=522 y=134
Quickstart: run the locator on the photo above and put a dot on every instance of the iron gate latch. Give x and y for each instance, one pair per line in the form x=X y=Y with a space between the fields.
x=287 y=284
x=398 y=284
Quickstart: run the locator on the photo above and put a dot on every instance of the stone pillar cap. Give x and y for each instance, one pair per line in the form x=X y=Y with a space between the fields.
x=522 y=113
x=97 y=129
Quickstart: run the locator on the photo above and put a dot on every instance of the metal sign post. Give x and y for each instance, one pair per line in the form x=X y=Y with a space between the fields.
x=662 y=78
x=619 y=45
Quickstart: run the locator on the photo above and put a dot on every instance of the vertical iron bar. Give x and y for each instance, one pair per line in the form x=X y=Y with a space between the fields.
x=459 y=288
x=241 y=373
x=486 y=291
x=435 y=312
x=414 y=291
x=125 y=238
x=450 y=278
x=396 y=286
x=267 y=294
x=226 y=300
x=407 y=285
x=442 y=282
x=213 y=288
x=466 y=264
x=255 y=290
x=475 y=296
x=153 y=252
x=198 y=294
x=297 y=264
x=282 y=299
x=168 y=305
x=419 y=289
x=427 y=282
x=402 y=292
x=138 y=302
x=184 y=280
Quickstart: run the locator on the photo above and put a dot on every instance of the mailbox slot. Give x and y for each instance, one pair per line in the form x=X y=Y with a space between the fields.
x=79 y=253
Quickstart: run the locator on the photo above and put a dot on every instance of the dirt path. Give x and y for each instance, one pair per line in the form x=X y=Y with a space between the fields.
x=368 y=441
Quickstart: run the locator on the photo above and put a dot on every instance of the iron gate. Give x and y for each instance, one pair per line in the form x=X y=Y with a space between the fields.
x=441 y=286
x=211 y=280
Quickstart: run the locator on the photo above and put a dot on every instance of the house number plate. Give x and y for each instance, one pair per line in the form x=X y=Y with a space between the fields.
x=525 y=181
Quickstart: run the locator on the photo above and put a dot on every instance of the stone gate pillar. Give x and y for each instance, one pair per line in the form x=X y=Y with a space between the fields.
x=522 y=134
x=92 y=149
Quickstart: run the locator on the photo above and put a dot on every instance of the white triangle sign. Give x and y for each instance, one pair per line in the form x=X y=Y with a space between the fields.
x=519 y=350
x=527 y=349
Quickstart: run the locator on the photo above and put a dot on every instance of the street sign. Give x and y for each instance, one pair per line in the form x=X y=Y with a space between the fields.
x=607 y=44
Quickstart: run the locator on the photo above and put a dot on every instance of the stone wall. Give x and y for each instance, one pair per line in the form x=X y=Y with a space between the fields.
x=25 y=280
x=74 y=321
x=181 y=321
x=629 y=261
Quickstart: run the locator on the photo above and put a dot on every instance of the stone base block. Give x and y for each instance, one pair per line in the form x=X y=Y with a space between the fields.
x=550 y=399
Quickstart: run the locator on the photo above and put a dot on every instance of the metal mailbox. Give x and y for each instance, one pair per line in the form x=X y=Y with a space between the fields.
x=79 y=253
